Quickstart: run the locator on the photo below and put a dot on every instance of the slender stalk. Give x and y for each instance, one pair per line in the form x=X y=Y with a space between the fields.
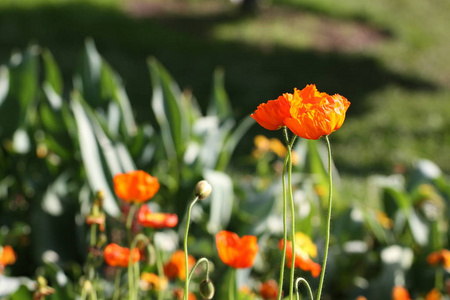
x=116 y=294
x=289 y=145
x=203 y=259
x=327 y=240
x=133 y=268
x=232 y=289
x=129 y=222
x=301 y=279
x=283 y=257
x=186 y=264
x=159 y=267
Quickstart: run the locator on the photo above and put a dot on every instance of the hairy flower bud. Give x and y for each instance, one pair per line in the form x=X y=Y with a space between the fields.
x=203 y=189
x=207 y=289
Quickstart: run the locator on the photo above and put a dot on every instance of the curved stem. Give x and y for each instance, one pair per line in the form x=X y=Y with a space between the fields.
x=186 y=264
x=283 y=257
x=327 y=241
x=160 y=269
x=203 y=259
x=307 y=285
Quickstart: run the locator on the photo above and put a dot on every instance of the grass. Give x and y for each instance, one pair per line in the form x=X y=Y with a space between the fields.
x=389 y=58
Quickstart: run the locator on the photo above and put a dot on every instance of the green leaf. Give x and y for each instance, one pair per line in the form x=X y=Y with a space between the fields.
x=90 y=74
x=170 y=114
x=221 y=200
x=219 y=104
x=97 y=178
x=52 y=73
x=22 y=294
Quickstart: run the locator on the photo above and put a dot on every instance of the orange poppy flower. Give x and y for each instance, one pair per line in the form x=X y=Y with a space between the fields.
x=434 y=294
x=302 y=258
x=269 y=290
x=7 y=255
x=234 y=251
x=400 y=293
x=271 y=115
x=315 y=114
x=136 y=186
x=176 y=265
x=117 y=256
x=151 y=281
x=178 y=293
x=439 y=257
x=147 y=218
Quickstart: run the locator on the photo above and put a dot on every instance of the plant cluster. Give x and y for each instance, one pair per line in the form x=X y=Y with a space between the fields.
x=67 y=157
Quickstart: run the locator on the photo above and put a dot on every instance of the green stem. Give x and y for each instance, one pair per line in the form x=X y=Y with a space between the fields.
x=116 y=294
x=232 y=289
x=439 y=278
x=160 y=269
x=283 y=257
x=203 y=259
x=327 y=241
x=93 y=235
x=186 y=282
x=129 y=222
x=133 y=268
x=301 y=279
x=291 y=199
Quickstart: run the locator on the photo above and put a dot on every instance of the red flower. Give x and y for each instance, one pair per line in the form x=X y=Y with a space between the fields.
x=136 y=186
x=302 y=259
x=271 y=115
x=7 y=256
x=307 y=113
x=439 y=257
x=156 y=220
x=234 y=251
x=176 y=266
x=269 y=290
x=400 y=293
x=117 y=256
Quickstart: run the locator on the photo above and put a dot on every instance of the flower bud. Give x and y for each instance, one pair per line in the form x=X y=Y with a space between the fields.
x=207 y=289
x=203 y=189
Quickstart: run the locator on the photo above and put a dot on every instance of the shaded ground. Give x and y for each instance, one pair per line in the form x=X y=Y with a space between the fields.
x=263 y=56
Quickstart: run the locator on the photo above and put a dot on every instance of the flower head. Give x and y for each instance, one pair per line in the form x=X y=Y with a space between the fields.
x=308 y=113
x=434 y=294
x=136 y=186
x=175 y=267
x=400 y=293
x=315 y=114
x=151 y=281
x=269 y=290
x=117 y=256
x=441 y=257
x=147 y=218
x=304 y=250
x=271 y=115
x=7 y=256
x=234 y=251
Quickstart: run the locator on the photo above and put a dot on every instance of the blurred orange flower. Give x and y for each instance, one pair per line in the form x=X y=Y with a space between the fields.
x=135 y=186
x=304 y=250
x=117 y=256
x=147 y=218
x=400 y=293
x=271 y=115
x=439 y=257
x=151 y=281
x=236 y=252
x=269 y=290
x=308 y=113
x=178 y=293
x=175 y=267
x=315 y=114
x=434 y=294
x=7 y=256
